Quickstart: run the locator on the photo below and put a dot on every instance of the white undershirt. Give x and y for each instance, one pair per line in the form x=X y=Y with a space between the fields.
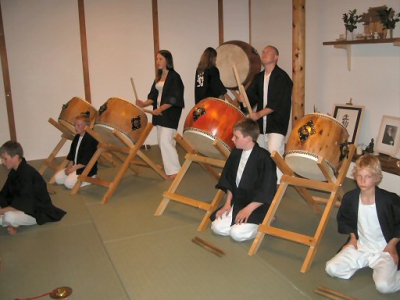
x=370 y=236
x=77 y=149
x=265 y=96
x=242 y=164
x=159 y=87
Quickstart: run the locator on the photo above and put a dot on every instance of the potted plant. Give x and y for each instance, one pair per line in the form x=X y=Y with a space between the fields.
x=350 y=20
x=388 y=19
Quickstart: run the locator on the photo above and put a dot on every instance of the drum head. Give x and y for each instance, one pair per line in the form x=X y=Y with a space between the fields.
x=107 y=135
x=203 y=143
x=305 y=165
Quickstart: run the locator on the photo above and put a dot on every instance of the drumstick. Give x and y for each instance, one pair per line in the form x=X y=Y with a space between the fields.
x=210 y=245
x=242 y=90
x=207 y=247
x=134 y=89
x=148 y=111
x=333 y=292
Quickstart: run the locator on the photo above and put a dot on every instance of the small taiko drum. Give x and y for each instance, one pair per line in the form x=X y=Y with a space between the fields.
x=210 y=120
x=122 y=116
x=73 y=108
x=314 y=136
x=243 y=56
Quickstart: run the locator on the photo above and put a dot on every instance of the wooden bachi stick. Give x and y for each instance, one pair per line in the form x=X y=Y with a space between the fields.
x=327 y=295
x=207 y=247
x=210 y=245
x=242 y=90
x=333 y=292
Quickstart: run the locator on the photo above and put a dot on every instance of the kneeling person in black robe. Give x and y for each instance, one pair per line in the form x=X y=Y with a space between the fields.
x=24 y=199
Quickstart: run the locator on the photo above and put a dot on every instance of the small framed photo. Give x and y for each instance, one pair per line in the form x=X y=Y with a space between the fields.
x=350 y=116
x=388 y=140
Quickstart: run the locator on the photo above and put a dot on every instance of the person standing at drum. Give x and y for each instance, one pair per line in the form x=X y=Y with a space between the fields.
x=271 y=91
x=208 y=82
x=82 y=149
x=370 y=216
x=249 y=180
x=166 y=96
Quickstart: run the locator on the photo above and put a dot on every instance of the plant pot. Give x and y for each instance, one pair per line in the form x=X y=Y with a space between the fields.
x=349 y=35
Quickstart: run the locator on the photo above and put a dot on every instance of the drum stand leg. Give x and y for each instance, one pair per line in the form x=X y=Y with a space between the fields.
x=332 y=186
x=207 y=164
x=130 y=151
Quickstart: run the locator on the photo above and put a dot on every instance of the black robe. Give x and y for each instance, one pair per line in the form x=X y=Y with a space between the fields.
x=258 y=182
x=208 y=84
x=172 y=93
x=387 y=207
x=26 y=190
x=86 y=150
x=279 y=99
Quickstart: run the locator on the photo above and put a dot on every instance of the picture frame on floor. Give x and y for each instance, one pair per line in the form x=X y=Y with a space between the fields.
x=388 y=140
x=350 y=116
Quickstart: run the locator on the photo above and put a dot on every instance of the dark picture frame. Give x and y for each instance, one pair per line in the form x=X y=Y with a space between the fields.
x=388 y=140
x=350 y=116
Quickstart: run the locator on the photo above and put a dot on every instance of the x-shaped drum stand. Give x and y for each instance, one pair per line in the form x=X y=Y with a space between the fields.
x=333 y=186
x=207 y=163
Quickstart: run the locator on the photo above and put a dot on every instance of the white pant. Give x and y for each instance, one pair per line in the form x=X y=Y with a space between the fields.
x=69 y=180
x=349 y=260
x=271 y=142
x=16 y=218
x=240 y=233
x=167 y=143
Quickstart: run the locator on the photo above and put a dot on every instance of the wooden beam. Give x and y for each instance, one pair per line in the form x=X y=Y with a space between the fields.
x=221 y=21
x=298 y=59
x=250 y=37
x=6 y=80
x=156 y=34
x=84 y=50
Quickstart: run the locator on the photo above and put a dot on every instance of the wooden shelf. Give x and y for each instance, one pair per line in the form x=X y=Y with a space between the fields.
x=347 y=45
x=388 y=164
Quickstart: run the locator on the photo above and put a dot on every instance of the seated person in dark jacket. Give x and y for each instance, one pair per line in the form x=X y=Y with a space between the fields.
x=82 y=149
x=249 y=179
x=24 y=199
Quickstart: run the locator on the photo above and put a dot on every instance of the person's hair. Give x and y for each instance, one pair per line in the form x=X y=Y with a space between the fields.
x=207 y=59
x=371 y=162
x=83 y=118
x=12 y=148
x=170 y=62
x=248 y=127
x=275 y=49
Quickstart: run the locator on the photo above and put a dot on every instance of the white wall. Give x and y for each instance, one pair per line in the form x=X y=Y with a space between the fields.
x=44 y=54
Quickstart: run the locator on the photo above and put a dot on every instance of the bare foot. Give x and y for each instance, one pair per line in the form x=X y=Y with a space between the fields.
x=172 y=177
x=12 y=230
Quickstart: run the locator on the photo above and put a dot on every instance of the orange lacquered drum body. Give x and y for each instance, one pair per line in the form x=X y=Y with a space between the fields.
x=243 y=56
x=316 y=135
x=211 y=119
x=122 y=116
x=73 y=108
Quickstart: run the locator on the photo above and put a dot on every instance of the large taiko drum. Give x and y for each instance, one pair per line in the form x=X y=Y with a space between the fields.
x=122 y=116
x=211 y=119
x=314 y=136
x=243 y=56
x=73 y=108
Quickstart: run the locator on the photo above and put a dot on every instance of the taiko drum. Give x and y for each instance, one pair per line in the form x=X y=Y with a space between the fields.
x=314 y=136
x=73 y=108
x=211 y=119
x=122 y=116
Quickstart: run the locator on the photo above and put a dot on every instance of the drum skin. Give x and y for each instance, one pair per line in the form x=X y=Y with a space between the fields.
x=315 y=135
x=74 y=107
x=243 y=56
x=123 y=116
x=211 y=119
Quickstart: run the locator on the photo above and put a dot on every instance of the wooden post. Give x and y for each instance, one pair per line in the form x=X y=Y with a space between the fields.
x=6 y=80
x=221 y=21
x=298 y=59
x=156 y=35
x=84 y=50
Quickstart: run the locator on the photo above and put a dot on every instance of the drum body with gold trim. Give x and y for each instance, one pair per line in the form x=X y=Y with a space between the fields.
x=122 y=116
x=211 y=119
x=74 y=107
x=243 y=56
x=314 y=136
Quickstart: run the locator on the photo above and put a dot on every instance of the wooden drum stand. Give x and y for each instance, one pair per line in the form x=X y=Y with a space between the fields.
x=332 y=186
x=207 y=163
x=125 y=154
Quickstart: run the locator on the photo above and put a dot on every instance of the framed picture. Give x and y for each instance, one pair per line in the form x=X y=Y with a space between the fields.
x=388 y=140
x=350 y=116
